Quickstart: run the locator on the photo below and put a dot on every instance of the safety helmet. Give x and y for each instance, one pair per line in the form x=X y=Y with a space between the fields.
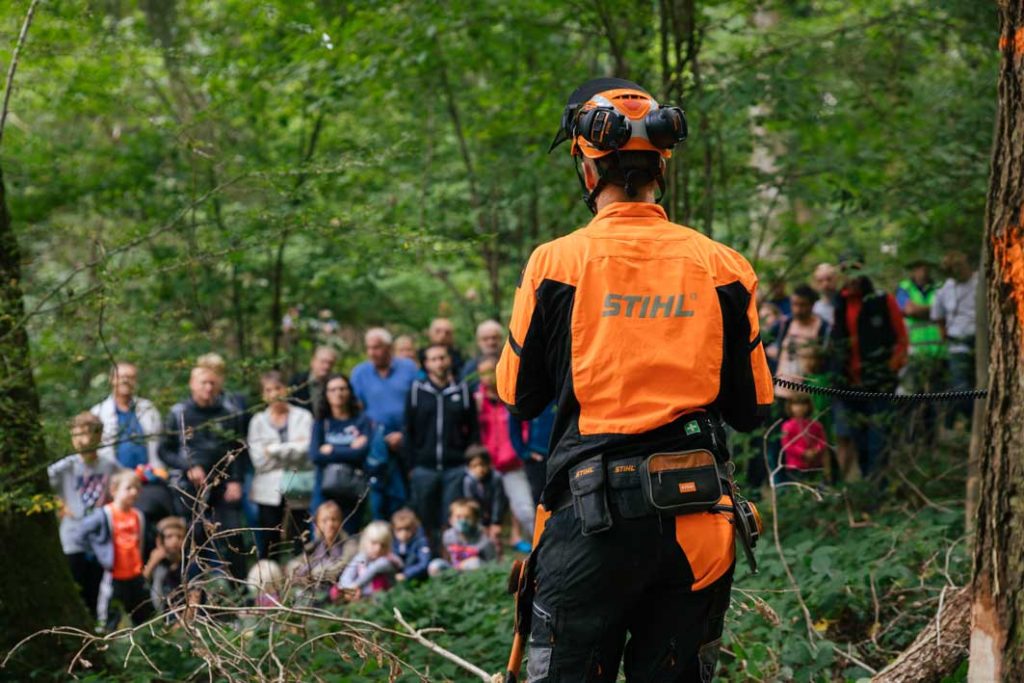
x=605 y=115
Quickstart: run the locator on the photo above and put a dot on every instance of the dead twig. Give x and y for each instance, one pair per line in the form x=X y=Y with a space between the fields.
x=417 y=635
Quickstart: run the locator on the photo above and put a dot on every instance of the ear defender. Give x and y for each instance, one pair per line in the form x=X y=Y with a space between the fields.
x=604 y=127
x=666 y=127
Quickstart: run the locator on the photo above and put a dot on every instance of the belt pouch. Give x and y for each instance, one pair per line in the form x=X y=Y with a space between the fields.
x=589 y=496
x=624 y=485
x=682 y=482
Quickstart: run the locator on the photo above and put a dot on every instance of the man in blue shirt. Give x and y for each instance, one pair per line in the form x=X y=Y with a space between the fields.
x=382 y=385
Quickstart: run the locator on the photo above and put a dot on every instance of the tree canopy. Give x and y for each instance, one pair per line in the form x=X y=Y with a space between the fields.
x=183 y=172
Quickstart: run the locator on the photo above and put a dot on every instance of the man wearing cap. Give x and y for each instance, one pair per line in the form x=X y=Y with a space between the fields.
x=645 y=334
x=870 y=340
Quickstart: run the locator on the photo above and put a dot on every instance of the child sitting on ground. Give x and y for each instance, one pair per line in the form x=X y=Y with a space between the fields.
x=265 y=581
x=320 y=566
x=373 y=569
x=803 y=437
x=484 y=485
x=163 y=570
x=465 y=544
x=81 y=481
x=410 y=545
x=115 y=533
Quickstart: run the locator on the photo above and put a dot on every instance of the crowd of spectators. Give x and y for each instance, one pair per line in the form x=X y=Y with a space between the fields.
x=843 y=331
x=410 y=466
x=338 y=485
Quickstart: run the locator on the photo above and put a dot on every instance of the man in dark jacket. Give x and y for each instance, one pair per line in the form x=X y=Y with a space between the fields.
x=201 y=442
x=440 y=422
x=870 y=340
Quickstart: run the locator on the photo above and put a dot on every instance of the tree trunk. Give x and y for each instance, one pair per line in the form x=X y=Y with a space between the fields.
x=981 y=363
x=997 y=619
x=37 y=591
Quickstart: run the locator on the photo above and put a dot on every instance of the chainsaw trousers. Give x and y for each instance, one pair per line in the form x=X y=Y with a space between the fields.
x=632 y=580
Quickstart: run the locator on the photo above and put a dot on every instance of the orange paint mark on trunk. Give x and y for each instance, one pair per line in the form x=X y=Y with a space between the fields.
x=1018 y=42
x=1008 y=253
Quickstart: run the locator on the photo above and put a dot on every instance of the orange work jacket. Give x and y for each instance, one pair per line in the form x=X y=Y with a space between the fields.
x=629 y=324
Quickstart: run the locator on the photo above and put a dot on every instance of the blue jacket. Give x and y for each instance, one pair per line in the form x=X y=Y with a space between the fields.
x=95 y=533
x=415 y=554
x=540 y=433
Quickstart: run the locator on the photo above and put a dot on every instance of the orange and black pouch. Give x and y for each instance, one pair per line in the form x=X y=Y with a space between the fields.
x=590 y=496
x=681 y=483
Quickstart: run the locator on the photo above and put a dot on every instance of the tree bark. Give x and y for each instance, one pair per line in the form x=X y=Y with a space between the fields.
x=997 y=624
x=32 y=556
x=935 y=654
x=37 y=591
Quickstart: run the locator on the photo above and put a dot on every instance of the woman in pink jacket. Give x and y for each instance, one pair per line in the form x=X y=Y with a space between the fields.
x=494 y=435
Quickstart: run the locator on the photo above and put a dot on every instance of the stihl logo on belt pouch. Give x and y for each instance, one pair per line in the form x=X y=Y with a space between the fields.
x=687 y=487
x=584 y=472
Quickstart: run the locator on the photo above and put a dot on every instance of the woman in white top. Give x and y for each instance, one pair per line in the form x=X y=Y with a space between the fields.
x=278 y=442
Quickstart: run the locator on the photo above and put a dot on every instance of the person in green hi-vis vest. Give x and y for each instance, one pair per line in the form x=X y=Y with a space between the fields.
x=925 y=368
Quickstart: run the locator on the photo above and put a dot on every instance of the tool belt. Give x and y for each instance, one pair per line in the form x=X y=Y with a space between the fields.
x=668 y=483
x=690 y=480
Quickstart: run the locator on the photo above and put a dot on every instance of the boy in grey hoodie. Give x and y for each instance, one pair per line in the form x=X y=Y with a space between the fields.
x=81 y=481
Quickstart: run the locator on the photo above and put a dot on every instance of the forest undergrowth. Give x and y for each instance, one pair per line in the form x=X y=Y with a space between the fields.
x=870 y=562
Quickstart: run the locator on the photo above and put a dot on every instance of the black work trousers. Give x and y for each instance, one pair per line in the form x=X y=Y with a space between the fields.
x=632 y=579
x=270 y=523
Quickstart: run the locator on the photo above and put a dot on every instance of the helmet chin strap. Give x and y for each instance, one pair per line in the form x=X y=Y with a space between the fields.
x=590 y=196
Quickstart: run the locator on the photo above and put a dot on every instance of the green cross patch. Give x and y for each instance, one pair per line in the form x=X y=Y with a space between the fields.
x=692 y=428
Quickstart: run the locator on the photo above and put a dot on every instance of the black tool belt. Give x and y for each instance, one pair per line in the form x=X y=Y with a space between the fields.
x=660 y=484
x=687 y=478
x=665 y=483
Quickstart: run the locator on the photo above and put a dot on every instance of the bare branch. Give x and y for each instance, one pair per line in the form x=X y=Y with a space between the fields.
x=418 y=636
x=14 y=64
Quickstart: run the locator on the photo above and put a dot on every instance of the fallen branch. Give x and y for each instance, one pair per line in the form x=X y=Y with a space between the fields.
x=417 y=635
x=939 y=648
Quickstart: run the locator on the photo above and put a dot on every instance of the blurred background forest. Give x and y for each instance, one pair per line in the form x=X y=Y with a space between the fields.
x=183 y=175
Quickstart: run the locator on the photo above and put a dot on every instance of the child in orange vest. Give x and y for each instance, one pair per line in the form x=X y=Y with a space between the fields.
x=115 y=533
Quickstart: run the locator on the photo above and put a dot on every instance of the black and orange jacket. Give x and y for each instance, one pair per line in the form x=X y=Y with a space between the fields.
x=629 y=324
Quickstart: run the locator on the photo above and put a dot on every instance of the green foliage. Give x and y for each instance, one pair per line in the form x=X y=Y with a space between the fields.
x=161 y=157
